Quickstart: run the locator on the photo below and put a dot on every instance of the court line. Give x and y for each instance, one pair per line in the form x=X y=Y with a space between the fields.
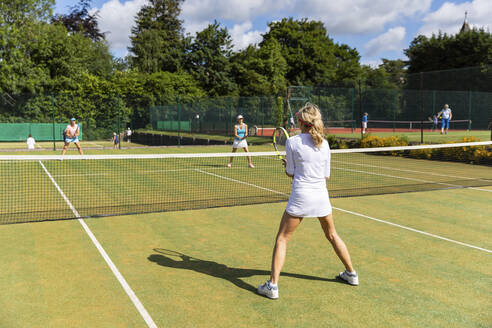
x=133 y=297
x=412 y=171
x=361 y=215
x=410 y=179
x=414 y=230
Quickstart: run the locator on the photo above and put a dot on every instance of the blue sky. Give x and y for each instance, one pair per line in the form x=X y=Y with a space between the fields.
x=376 y=28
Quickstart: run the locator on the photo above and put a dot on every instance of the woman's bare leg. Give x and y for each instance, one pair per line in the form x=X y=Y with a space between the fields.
x=230 y=159
x=338 y=245
x=249 y=157
x=65 y=147
x=287 y=227
x=77 y=144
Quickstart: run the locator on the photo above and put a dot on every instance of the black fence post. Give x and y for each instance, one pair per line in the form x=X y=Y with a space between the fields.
x=421 y=107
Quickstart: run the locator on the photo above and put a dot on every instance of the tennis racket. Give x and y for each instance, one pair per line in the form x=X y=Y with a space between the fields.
x=280 y=137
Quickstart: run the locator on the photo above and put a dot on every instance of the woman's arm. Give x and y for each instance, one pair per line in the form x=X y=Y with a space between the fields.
x=77 y=132
x=235 y=131
x=245 y=131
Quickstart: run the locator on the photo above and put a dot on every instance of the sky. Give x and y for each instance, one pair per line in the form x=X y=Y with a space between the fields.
x=376 y=28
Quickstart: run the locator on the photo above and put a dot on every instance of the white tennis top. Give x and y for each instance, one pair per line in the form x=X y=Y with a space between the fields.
x=30 y=143
x=446 y=113
x=309 y=165
x=71 y=130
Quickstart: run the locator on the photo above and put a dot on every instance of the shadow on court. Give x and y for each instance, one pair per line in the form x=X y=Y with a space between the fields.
x=218 y=270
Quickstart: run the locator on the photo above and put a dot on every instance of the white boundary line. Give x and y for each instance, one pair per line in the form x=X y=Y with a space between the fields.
x=411 y=179
x=412 y=171
x=358 y=214
x=141 y=309
x=414 y=230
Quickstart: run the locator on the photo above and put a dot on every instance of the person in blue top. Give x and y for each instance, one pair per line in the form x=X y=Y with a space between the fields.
x=364 y=122
x=116 y=140
x=240 y=135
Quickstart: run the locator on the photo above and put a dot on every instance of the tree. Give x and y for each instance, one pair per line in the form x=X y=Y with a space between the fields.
x=19 y=21
x=443 y=51
x=312 y=56
x=208 y=60
x=260 y=71
x=157 y=39
x=395 y=69
x=79 y=20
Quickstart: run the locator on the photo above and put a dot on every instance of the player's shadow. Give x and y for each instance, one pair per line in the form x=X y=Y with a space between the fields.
x=173 y=259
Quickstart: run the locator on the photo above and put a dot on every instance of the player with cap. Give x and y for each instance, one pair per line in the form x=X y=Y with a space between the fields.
x=240 y=135
x=71 y=134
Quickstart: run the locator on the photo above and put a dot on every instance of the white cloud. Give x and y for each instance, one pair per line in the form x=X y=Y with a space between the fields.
x=359 y=16
x=242 y=35
x=449 y=17
x=392 y=40
x=117 y=19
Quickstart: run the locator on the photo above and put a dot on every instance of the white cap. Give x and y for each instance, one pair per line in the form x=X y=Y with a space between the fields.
x=239 y=116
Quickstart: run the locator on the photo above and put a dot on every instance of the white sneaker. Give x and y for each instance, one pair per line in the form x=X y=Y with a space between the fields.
x=268 y=290
x=229 y=164
x=350 y=278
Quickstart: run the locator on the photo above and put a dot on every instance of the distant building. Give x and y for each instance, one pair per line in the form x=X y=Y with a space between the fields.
x=466 y=27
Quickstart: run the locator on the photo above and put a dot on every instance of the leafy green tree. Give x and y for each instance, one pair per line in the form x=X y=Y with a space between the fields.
x=260 y=71
x=208 y=60
x=157 y=38
x=443 y=51
x=312 y=56
x=396 y=70
x=19 y=20
x=80 y=20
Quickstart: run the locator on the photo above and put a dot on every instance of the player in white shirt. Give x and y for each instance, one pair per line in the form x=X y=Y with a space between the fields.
x=30 y=142
x=72 y=132
x=446 y=115
x=308 y=163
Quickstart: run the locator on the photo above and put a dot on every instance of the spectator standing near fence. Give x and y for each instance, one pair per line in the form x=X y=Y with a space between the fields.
x=128 y=134
x=30 y=142
x=446 y=115
x=116 y=140
x=364 y=122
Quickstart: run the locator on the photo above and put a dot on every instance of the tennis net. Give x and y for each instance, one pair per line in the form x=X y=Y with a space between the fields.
x=38 y=188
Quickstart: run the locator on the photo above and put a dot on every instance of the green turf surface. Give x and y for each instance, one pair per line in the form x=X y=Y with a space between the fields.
x=429 y=137
x=53 y=276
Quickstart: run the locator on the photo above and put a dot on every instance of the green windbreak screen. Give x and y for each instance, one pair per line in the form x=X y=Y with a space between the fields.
x=39 y=131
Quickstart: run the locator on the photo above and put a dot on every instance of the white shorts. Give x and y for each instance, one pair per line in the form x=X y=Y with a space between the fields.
x=309 y=203
x=364 y=125
x=239 y=143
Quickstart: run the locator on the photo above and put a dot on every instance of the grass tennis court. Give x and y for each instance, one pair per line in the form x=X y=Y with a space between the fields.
x=423 y=258
x=54 y=276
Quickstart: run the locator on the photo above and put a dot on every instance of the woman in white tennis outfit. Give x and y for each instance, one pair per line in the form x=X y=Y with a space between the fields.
x=240 y=135
x=308 y=163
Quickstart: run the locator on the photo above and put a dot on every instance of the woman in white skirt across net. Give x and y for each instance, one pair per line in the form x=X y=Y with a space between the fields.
x=308 y=163
x=240 y=135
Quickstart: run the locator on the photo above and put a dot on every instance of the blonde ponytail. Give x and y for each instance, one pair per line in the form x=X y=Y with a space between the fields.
x=310 y=116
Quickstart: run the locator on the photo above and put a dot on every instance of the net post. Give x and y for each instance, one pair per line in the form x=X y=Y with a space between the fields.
x=394 y=112
x=262 y=105
x=179 y=120
x=53 y=119
x=421 y=107
x=353 y=104
x=119 y=122
x=360 y=108
x=469 y=109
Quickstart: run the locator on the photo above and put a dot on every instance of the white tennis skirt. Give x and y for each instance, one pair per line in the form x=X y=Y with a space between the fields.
x=238 y=143
x=309 y=203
